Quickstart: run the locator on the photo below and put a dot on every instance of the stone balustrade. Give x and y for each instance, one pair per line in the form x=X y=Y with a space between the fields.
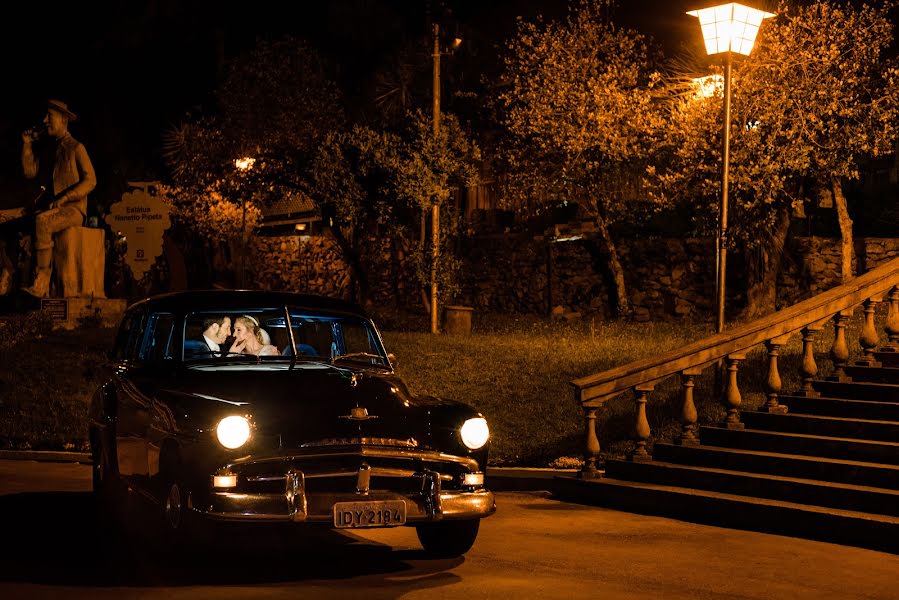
x=806 y=318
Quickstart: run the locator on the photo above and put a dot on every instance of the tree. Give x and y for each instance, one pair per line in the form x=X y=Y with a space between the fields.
x=817 y=95
x=369 y=180
x=350 y=180
x=578 y=106
x=275 y=106
x=428 y=169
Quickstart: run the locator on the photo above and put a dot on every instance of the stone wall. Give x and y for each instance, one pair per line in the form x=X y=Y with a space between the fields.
x=816 y=264
x=305 y=264
x=667 y=279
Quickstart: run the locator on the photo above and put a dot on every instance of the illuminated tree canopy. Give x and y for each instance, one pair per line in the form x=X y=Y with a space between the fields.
x=578 y=107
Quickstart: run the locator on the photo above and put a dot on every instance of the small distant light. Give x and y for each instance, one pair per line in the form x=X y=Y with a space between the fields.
x=473 y=479
x=244 y=164
x=224 y=481
x=709 y=86
x=300 y=227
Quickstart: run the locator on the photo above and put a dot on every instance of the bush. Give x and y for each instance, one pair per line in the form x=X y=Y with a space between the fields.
x=46 y=382
x=18 y=328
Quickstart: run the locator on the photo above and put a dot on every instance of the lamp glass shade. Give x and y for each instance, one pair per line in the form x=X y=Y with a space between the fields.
x=730 y=27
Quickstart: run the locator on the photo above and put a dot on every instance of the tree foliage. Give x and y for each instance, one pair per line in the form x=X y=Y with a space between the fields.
x=817 y=95
x=371 y=180
x=578 y=106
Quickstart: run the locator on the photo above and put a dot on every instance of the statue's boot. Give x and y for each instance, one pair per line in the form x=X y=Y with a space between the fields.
x=41 y=286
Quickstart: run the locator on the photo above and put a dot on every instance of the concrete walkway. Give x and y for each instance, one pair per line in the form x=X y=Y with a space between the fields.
x=534 y=547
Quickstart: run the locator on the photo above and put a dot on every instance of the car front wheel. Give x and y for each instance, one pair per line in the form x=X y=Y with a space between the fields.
x=448 y=539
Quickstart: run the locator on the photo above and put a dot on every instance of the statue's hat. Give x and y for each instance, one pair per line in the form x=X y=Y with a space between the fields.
x=61 y=107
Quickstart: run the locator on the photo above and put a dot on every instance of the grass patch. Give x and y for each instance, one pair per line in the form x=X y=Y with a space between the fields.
x=515 y=370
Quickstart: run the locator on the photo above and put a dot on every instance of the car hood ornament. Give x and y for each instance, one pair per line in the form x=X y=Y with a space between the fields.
x=358 y=413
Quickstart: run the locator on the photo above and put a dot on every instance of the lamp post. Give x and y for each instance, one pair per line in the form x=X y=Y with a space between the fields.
x=726 y=29
x=243 y=165
x=435 y=204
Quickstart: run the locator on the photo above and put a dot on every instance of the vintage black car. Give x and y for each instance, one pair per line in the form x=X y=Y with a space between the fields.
x=320 y=430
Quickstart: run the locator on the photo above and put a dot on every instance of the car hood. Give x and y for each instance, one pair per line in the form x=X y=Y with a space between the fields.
x=310 y=404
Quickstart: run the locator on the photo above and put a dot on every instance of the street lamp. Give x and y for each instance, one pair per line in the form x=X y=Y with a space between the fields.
x=726 y=29
x=435 y=205
x=243 y=165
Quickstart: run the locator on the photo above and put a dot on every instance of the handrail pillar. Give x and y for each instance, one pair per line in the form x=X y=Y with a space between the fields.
x=732 y=398
x=641 y=426
x=892 y=324
x=689 y=415
x=774 y=384
x=809 y=369
x=839 y=351
x=868 y=339
x=591 y=453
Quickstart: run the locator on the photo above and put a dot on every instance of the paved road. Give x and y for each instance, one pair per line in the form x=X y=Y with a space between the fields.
x=534 y=547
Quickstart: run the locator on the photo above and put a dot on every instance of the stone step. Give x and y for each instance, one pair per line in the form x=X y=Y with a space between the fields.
x=839 y=407
x=879 y=532
x=800 y=443
x=787 y=465
x=887 y=359
x=842 y=427
x=872 y=374
x=774 y=487
x=879 y=392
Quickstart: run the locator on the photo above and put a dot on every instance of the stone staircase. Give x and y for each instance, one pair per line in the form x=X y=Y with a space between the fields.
x=827 y=469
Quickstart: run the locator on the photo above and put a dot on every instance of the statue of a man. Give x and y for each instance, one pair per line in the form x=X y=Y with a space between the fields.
x=70 y=175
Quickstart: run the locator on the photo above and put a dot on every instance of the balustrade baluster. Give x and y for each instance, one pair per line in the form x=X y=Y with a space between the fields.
x=809 y=368
x=732 y=398
x=892 y=324
x=868 y=339
x=773 y=385
x=839 y=351
x=689 y=417
x=641 y=427
x=591 y=455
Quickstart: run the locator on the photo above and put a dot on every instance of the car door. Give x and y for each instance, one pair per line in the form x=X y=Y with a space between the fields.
x=130 y=408
x=149 y=354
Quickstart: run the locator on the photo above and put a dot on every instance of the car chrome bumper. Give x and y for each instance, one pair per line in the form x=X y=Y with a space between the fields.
x=296 y=505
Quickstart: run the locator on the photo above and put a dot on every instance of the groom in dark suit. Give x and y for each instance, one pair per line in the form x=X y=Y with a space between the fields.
x=216 y=331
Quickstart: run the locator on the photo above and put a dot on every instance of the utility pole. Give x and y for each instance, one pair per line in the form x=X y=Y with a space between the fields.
x=435 y=206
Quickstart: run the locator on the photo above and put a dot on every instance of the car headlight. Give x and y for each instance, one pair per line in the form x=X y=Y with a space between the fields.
x=233 y=432
x=475 y=432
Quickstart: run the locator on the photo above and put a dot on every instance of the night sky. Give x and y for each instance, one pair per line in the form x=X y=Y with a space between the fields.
x=129 y=68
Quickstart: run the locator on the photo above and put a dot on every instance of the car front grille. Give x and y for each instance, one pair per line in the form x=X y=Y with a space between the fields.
x=340 y=473
x=362 y=441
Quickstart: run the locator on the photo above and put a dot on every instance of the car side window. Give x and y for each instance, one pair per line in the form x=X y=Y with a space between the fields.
x=130 y=335
x=158 y=341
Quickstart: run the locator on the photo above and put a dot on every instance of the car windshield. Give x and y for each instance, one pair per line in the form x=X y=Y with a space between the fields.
x=263 y=333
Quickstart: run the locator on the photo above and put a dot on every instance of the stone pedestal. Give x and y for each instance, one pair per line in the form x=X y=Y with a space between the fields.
x=457 y=320
x=71 y=313
x=79 y=262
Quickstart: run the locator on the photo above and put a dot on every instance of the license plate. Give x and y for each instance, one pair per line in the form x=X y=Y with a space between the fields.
x=387 y=513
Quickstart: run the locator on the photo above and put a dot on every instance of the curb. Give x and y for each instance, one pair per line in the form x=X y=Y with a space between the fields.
x=46 y=456
x=523 y=479
x=500 y=479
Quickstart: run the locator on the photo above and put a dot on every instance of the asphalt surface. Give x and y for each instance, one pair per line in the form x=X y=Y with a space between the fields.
x=534 y=547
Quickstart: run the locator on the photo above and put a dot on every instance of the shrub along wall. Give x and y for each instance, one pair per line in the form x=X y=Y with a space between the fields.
x=668 y=279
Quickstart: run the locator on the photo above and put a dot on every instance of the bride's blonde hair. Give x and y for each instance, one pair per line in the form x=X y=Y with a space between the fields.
x=251 y=324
